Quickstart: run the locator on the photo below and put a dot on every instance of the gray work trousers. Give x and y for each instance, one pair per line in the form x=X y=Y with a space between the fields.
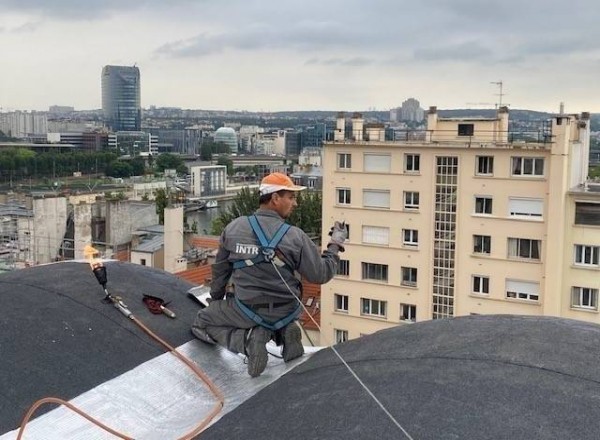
x=228 y=325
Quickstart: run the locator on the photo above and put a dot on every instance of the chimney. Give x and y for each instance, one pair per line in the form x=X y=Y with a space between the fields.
x=561 y=108
x=340 y=131
x=357 y=127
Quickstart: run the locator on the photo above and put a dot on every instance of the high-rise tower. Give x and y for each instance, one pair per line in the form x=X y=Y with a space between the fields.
x=121 y=97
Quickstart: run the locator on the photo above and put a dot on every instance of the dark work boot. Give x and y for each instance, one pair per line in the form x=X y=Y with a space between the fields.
x=256 y=350
x=203 y=335
x=292 y=342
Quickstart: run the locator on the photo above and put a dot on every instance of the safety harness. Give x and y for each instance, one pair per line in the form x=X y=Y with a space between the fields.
x=266 y=255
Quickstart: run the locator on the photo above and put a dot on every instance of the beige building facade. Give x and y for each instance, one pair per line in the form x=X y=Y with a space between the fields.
x=470 y=219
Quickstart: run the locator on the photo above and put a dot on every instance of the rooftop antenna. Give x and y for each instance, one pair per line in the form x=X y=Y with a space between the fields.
x=499 y=94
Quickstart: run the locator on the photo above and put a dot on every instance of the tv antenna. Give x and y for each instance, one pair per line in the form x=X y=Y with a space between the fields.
x=500 y=94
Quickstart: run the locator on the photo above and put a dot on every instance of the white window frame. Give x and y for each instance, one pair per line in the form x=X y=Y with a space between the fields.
x=518 y=246
x=487 y=203
x=480 y=285
x=486 y=163
x=412 y=163
x=486 y=248
x=411 y=280
x=376 y=198
x=586 y=255
x=410 y=237
x=373 y=307
x=340 y=335
x=344 y=161
x=340 y=302
x=377 y=163
x=408 y=312
x=411 y=200
x=527 y=208
x=584 y=298
x=521 y=165
x=522 y=290
x=343 y=196
x=378 y=235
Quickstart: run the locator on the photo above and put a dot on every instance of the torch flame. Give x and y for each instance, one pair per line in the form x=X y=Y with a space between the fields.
x=91 y=255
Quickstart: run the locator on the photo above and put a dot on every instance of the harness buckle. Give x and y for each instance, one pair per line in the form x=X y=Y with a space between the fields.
x=269 y=253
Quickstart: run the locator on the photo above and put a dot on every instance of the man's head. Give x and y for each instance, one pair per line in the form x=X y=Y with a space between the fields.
x=278 y=192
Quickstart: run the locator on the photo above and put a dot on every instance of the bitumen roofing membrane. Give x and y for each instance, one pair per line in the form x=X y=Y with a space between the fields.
x=57 y=337
x=476 y=377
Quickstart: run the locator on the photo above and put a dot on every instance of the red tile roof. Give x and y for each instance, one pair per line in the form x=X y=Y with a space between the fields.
x=205 y=241
x=197 y=275
x=310 y=290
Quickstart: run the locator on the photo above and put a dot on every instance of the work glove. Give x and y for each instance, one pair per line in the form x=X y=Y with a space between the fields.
x=338 y=234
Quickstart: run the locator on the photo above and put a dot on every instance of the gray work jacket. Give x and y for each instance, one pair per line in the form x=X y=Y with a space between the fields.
x=261 y=283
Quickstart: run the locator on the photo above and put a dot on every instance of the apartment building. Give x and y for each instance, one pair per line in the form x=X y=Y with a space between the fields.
x=468 y=219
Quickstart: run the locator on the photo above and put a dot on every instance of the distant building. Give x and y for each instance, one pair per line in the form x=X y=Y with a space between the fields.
x=182 y=141
x=132 y=143
x=209 y=181
x=228 y=136
x=23 y=124
x=293 y=142
x=60 y=110
x=411 y=111
x=472 y=219
x=121 y=101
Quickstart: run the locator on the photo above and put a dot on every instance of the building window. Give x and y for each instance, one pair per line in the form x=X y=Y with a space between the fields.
x=373 y=271
x=481 y=285
x=373 y=307
x=344 y=161
x=528 y=166
x=527 y=208
x=411 y=200
x=524 y=248
x=587 y=214
x=409 y=276
x=143 y=261
x=522 y=290
x=483 y=205
x=341 y=303
x=344 y=268
x=485 y=165
x=412 y=163
x=408 y=312
x=340 y=335
x=376 y=235
x=377 y=163
x=466 y=129
x=482 y=244
x=410 y=237
x=586 y=255
x=584 y=298
x=376 y=199
x=343 y=196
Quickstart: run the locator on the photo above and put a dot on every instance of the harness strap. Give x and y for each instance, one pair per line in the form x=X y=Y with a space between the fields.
x=267 y=246
x=273 y=326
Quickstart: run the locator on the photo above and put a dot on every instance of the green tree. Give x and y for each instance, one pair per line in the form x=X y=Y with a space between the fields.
x=307 y=216
x=226 y=160
x=170 y=161
x=138 y=166
x=119 y=168
x=161 y=198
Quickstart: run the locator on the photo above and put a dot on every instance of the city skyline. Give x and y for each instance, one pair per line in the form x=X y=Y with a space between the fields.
x=278 y=56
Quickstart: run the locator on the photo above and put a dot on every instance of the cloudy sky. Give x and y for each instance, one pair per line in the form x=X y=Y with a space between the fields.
x=271 y=55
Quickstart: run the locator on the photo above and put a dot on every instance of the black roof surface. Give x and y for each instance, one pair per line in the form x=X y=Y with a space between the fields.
x=57 y=337
x=478 y=377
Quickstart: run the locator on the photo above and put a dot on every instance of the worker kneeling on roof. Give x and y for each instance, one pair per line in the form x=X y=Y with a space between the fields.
x=264 y=257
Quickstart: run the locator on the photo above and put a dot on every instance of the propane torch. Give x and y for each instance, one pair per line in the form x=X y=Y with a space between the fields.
x=100 y=272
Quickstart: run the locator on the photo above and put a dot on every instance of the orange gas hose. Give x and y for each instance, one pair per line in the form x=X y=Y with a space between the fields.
x=190 y=364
